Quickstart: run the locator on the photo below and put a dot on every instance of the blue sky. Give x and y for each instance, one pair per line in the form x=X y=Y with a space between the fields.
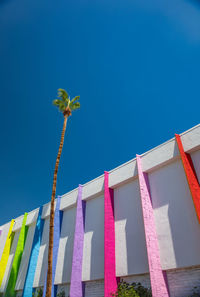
x=135 y=65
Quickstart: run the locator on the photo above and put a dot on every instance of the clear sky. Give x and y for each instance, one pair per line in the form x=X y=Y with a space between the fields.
x=135 y=64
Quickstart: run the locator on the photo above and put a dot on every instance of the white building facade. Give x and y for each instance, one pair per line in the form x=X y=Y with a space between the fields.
x=105 y=240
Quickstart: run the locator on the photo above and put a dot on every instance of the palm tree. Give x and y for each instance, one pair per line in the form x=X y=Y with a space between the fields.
x=66 y=106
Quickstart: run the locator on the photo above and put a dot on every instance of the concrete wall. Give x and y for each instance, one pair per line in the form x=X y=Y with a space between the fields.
x=177 y=227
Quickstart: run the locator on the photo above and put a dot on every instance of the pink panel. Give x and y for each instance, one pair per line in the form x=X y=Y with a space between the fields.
x=110 y=280
x=157 y=276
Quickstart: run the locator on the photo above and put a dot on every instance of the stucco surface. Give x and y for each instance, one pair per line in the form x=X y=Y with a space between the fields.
x=130 y=246
x=93 y=250
x=25 y=257
x=158 y=279
x=25 y=281
x=41 y=267
x=4 y=234
x=9 y=263
x=177 y=228
x=77 y=286
x=6 y=251
x=110 y=280
x=176 y=222
x=65 y=252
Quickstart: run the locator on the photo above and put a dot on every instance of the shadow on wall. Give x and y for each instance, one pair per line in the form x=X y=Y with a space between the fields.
x=177 y=225
x=93 y=254
x=25 y=257
x=131 y=254
x=44 y=253
x=66 y=245
x=15 y=237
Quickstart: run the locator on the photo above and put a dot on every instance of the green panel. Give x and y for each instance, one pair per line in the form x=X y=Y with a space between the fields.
x=10 y=291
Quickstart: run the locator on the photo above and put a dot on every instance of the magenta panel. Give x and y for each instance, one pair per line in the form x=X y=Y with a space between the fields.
x=110 y=280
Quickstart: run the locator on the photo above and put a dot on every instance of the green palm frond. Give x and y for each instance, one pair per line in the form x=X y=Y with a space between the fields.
x=75 y=99
x=56 y=102
x=62 y=106
x=75 y=106
x=64 y=101
x=63 y=94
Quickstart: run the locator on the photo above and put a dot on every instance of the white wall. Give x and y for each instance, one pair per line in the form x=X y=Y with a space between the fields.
x=65 y=252
x=93 y=250
x=130 y=246
x=41 y=268
x=3 y=237
x=177 y=227
x=25 y=258
x=196 y=162
x=176 y=223
x=9 y=263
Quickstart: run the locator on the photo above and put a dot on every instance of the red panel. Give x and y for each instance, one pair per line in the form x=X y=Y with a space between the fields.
x=191 y=176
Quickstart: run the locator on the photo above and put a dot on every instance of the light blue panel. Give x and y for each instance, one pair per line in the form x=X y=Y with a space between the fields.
x=28 y=286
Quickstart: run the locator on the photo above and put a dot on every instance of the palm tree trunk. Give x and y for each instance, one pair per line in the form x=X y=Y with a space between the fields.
x=51 y=223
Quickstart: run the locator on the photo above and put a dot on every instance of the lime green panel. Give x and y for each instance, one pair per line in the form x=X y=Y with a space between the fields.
x=10 y=291
x=6 y=252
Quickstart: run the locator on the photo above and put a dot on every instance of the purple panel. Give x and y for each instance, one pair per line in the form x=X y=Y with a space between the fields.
x=77 y=286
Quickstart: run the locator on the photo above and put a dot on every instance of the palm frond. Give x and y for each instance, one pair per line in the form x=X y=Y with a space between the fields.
x=62 y=106
x=56 y=102
x=63 y=103
x=75 y=99
x=66 y=101
x=63 y=94
x=74 y=106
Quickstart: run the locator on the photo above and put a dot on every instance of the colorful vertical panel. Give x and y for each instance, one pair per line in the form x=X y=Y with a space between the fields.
x=10 y=291
x=6 y=252
x=56 y=239
x=157 y=276
x=191 y=176
x=110 y=280
x=28 y=286
x=77 y=286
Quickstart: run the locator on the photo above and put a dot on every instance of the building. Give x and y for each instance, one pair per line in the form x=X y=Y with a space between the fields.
x=153 y=236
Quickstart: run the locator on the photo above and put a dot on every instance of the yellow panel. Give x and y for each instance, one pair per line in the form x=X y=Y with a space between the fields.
x=6 y=252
